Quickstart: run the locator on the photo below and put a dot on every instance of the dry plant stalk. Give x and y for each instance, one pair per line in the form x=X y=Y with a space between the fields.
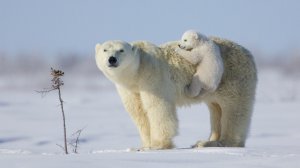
x=56 y=85
x=74 y=143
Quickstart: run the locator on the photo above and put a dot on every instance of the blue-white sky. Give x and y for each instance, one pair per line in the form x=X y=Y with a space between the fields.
x=53 y=26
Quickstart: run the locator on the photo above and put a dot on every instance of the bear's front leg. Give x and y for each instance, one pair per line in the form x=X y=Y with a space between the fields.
x=161 y=112
x=133 y=105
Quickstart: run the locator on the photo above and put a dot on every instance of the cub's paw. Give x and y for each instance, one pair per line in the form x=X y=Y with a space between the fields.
x=190 y=92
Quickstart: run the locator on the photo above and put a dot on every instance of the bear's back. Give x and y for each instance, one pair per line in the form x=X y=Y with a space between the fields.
x=239 y=78
x=239 y=67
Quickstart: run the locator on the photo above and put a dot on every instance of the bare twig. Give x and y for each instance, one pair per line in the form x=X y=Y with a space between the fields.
x=45 y=91
x=75 y=143
x=64 y=119
x=56 y=85
x=60 y=147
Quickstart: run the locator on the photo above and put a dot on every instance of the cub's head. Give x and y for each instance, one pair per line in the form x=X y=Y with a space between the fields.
x=189 y=40
x=115 y=58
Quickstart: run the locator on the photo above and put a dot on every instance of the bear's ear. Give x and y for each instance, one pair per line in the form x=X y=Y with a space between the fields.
x=135 y=49
x=195 y=35
x=98 y=46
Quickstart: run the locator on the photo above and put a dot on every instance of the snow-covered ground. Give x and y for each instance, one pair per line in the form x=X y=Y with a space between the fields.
x=31 y=128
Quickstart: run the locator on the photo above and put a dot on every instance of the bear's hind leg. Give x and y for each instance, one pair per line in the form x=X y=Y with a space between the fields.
x=215 y=121
x=235 y=121
x=235 y=124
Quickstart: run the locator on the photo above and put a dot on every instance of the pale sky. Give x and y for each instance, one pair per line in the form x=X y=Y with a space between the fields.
x=54 y=26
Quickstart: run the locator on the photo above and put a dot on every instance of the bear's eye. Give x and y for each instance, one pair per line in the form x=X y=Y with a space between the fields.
x=104 y=50
x=185 y=40
x=121 y=50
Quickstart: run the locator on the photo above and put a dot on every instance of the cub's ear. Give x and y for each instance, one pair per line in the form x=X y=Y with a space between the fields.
x=195 y=35
x=98 y=46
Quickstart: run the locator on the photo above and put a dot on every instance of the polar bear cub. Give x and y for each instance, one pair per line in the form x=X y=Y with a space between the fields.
x=203 y=52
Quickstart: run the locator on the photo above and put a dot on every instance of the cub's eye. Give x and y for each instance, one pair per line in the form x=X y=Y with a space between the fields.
x=121 y=50
x=185 y=40
x=104 y=50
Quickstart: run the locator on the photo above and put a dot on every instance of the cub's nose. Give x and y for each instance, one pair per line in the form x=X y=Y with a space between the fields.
x=180 y=46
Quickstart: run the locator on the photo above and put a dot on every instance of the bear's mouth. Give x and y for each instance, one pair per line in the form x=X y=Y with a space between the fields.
x=189 y=49
x=113 y=65
x=184 y=48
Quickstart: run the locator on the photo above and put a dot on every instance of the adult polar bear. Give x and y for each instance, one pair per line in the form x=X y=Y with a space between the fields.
x=151 y=80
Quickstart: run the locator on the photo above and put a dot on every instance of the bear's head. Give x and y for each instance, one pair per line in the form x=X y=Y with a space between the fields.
x=116 y=58
x=190 y=40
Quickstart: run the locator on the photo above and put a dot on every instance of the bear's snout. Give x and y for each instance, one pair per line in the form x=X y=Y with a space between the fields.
x=112 y=61
x=180 y=46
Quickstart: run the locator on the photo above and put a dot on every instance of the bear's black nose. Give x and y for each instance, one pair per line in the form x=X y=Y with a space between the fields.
x=112 y=60
x=180 y=46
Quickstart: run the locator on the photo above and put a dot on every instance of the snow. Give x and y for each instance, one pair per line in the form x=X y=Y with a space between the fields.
x=31 y=128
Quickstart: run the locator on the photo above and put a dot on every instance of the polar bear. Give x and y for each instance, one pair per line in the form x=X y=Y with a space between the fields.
x=151 y=80
x=203 y=52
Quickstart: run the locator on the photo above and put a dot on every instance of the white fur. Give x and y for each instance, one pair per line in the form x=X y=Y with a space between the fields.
x=149 y=102
x=150 y=81
x=203 y=52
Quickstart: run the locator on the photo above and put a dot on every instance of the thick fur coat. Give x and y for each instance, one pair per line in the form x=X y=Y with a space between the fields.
x=151 y=80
